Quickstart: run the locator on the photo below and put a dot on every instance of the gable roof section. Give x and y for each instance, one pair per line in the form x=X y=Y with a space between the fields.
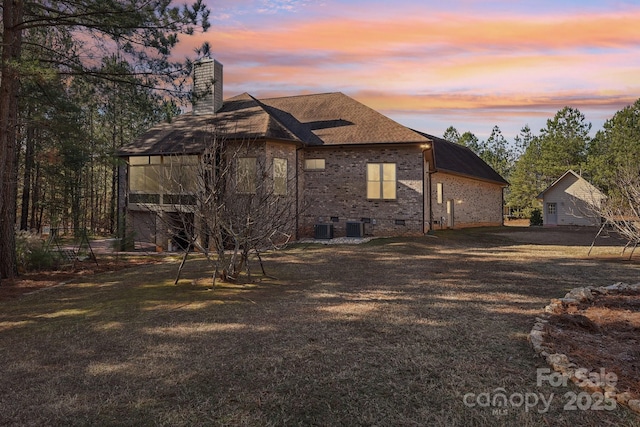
x=461 y=160
x=337 y=119
x=241 y=117
x=571 y=173
x=313 y=120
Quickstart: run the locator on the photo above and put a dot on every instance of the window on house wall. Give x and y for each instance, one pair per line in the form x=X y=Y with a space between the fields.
x=440 y=194
x=246 y=175
x=381 y=181
x=280 y=177
x=314 y=164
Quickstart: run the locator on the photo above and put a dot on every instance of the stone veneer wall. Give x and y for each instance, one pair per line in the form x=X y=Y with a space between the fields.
x=340 y=191
x=476 y=203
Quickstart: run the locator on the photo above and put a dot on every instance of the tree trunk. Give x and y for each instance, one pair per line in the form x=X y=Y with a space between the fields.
x=76 y=199
x=9 y=87
x=114 y=184
x=28 y=168
x=35 y=202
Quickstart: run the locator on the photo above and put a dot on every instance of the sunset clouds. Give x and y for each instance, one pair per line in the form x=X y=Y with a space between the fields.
x=470 y=64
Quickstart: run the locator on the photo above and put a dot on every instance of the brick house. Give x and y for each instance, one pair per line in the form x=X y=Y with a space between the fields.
x=353 y=170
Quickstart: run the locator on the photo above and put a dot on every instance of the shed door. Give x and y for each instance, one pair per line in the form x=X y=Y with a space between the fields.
x=552 y=214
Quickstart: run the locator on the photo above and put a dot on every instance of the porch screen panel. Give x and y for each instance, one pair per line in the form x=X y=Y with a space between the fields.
x=180 y=174
x=144 y=177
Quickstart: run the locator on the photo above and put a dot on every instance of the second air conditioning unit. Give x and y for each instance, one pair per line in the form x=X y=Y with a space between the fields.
x=355 y=229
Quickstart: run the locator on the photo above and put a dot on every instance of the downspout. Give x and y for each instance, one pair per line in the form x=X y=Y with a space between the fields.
x=430 y=204
x=424 y=188
x=424 y=194
x=502 y=207
x=297 y=192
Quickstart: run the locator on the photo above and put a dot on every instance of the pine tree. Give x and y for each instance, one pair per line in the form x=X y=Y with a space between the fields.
x=145 y=31
x=497 y=153
x=526 y=179
x=615 y=147
x=563 y=144
x=451 y=135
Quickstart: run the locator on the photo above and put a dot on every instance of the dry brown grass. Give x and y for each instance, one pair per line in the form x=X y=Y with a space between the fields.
x=393 y=332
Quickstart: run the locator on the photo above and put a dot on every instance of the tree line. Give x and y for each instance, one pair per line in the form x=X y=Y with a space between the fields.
x=78 y=79
x=534 y=161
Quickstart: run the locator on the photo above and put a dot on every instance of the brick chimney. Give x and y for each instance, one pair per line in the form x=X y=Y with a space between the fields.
x=207 y=86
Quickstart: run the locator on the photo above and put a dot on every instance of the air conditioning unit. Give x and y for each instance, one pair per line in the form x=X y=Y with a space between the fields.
x=323 y=231
x=355 y=229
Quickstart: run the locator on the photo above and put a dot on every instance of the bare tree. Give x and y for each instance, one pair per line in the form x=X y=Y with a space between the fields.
x=620 y=212
x=248 y=203
x=237 y=199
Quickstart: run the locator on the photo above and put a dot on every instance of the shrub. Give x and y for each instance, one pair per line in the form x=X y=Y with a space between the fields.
x=31 y=253
x=536 y=217
x=126 y=243
x=41 y=259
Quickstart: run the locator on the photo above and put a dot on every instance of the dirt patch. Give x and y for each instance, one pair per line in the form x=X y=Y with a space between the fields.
x=602 y=333
x=564 y=236
x=35 y=281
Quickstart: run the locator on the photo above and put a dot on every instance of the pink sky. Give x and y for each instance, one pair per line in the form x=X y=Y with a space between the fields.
x=469 y=64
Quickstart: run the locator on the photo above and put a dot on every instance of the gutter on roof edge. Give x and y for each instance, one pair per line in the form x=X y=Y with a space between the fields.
x=504 y=184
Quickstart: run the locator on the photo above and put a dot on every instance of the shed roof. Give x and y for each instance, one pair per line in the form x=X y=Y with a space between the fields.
x=571 y=174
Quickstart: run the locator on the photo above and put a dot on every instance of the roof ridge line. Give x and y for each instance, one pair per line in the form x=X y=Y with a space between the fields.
x=302 y=96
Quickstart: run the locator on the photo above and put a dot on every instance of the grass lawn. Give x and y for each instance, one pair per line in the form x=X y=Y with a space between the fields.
x=394 y=332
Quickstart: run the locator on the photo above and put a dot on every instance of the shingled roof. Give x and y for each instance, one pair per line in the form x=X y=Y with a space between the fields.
x=241 y=117
x=460 y=160
x=335 y=118
x=311 y=120
x=320 y=119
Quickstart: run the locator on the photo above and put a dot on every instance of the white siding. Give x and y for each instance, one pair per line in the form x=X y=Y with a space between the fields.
x=575 y=200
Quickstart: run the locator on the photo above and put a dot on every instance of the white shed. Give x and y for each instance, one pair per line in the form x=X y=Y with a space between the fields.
x=571 y=200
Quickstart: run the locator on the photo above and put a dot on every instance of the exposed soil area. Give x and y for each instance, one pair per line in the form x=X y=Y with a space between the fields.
x=35 y=281
x=603 y=333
